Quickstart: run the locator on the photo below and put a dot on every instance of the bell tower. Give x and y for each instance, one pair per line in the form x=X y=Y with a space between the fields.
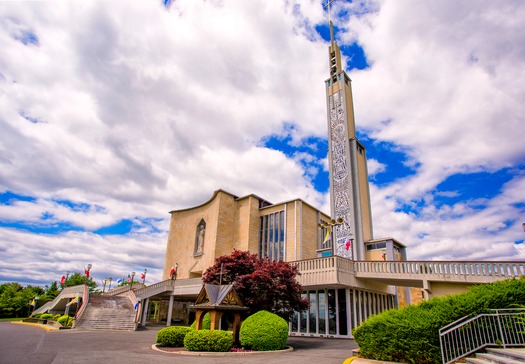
x=349 y=190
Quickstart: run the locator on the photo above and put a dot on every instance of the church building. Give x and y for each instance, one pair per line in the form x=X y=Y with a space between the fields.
x=296 y=232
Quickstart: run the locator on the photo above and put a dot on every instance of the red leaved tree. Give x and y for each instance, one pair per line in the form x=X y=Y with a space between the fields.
x=262 y=284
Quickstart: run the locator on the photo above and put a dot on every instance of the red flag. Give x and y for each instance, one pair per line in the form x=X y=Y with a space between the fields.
x=63 y=280
x=348 y=244
x=87 y=273
x=142 y=276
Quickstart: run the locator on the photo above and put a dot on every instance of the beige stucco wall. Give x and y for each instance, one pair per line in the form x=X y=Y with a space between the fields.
x=234 y=223
x=180 y=247
x=443 y=288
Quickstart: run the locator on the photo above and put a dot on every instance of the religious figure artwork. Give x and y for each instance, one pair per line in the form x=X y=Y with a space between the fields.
x=199 y=238
x=342 y=234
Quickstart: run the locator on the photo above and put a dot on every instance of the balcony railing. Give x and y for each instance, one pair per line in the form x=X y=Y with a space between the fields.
x=338 y=270
x=328 y=270
x=480 y=272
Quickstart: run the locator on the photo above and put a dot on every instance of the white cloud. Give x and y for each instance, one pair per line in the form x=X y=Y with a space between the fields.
x=136 y=110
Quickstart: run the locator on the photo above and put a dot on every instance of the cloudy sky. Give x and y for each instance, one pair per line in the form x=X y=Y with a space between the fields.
x=113 y=113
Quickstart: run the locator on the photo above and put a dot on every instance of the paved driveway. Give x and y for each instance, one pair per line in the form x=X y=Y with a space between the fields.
x=29 y=344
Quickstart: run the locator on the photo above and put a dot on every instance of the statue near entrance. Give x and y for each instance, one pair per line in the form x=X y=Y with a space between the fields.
x=199 y=238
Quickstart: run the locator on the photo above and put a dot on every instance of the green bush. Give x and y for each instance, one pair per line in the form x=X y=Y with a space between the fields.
x=46 y=316
x=264 y=331
x=36 y=315
x=56 y=317
x=208 y=340
x=411 y=334
x=65 y=320
x=172 y=336
x=206 y=322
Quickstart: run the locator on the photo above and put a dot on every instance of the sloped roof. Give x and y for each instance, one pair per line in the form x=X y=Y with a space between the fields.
x=214 y=295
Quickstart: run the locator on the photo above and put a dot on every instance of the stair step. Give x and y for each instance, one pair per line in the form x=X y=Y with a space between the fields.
x=516 y=354
x=495 y=358
x=108 y=313
x=476 y=361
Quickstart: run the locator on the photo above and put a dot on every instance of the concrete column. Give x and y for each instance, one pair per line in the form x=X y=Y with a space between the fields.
x=170 y=308
x=145 y=308
x=427 y=292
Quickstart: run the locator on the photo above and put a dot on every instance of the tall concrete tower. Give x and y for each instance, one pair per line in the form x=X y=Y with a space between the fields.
x=349 y=190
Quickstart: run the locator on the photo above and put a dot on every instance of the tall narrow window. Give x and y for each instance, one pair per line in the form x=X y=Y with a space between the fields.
x=271 y=236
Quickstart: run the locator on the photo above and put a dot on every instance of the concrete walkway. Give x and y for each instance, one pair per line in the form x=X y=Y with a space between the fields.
x=30 y=344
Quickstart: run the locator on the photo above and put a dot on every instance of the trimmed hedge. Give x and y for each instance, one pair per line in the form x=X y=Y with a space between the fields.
x=172 y=336
x=208 y=340
x=65 y=320
x=264 y=331
x=46 y=316
x=206 y=322
x=411 y=334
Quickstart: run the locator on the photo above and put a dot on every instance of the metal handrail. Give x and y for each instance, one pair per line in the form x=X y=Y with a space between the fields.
x=471 y=334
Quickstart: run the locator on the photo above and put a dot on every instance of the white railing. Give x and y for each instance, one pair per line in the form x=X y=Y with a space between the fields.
x=504 y=327
x=338 y=270
x=68 y=292
x=448 y=268
x=334 y=270
x=80 y=311
x=168 y=285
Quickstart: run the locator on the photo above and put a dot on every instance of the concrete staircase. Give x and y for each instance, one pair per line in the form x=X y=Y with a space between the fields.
x=501 y=356
x=108 y=313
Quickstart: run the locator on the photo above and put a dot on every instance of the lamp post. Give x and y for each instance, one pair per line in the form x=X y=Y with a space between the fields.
x=67 y=276
x=88 y=268
x=329 y=226
x=132 y=277
x=144 y=276
x=110 y=279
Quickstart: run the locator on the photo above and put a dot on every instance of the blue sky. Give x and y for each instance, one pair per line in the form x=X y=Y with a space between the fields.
x=111 y=116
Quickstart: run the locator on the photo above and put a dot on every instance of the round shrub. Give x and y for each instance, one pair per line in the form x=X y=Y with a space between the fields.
x=264 y=331
x=208 y=340
x=56 y=317
x=65 y=320
x=206 y=322
x=36 y=315
x=46 y=316
x=172 y=336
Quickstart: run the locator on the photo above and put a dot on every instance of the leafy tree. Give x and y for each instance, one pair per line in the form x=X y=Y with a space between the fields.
x=15 y=299
x=52 y=291
x=262 y=284
x=77 y=278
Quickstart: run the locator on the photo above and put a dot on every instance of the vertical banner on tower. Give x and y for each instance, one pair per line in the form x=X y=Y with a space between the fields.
x=341 y=186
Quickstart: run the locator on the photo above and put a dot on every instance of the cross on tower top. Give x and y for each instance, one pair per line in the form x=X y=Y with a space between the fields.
x=329 y=2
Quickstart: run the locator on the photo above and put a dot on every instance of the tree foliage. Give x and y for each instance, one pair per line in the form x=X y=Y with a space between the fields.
x=411 y=334
x=15 y=300
x=78 y=278
x=262 y=284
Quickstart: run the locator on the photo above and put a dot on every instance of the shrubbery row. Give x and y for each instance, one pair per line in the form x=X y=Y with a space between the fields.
x=411 y=334
x=263 y=331
x=64 y=320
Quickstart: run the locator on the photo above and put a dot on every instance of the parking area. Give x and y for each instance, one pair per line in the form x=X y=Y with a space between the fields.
x=30 y=344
